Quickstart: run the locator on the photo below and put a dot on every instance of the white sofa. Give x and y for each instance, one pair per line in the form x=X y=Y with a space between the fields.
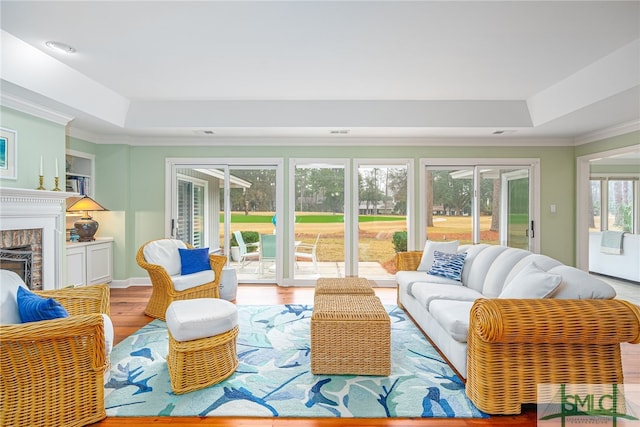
x=624 y=266
x=444 y=309
x=441 y=306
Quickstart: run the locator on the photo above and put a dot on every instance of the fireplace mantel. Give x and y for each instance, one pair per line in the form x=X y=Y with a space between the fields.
x=22 y=208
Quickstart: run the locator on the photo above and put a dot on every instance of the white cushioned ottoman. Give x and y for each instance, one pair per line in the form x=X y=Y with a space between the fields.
x=202 y=342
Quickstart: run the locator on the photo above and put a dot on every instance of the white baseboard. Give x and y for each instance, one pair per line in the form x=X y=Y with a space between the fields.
x=133 y=281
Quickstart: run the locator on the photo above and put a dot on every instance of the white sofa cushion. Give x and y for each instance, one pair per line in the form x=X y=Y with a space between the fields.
x=472 y=251
x=426 y=293
x=480 y=266
x=405 y=278
x=531 y=282
x=200 y=318
x=9 y=284
x=164 y=252
x=188 y=281
x=497 y=274
x=108 y=333
x=578 y=284
x=453 y=316
x=543 y=262
x=430 y=247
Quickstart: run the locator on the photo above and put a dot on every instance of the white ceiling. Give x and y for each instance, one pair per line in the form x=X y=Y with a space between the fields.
x=145 y=70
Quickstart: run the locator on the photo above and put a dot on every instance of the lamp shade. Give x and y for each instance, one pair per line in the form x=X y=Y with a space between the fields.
x=86 y=204
x=86 y=226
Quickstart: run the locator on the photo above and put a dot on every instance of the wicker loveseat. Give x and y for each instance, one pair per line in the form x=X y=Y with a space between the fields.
x=505 y=347
x=52 y=371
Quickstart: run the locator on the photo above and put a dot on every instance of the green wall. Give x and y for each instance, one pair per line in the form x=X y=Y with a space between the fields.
x=35 y=138
x=130 y=180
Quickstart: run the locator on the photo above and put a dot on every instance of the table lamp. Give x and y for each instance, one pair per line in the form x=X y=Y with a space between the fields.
x=86 y=226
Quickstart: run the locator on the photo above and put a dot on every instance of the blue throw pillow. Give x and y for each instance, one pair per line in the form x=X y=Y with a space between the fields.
x=194 y=260
x=33 y=308
x=448 y=265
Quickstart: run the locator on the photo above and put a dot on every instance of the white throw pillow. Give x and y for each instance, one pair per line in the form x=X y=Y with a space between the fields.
x=531 y=282
x=430 y=247
x=578 y=284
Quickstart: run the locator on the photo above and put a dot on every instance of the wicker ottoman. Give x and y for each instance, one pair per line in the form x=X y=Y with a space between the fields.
x=350 y=334
x=347 y=285
x=202 y=342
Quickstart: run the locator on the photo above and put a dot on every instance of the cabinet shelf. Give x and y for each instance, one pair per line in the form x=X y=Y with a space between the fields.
x=80 y=172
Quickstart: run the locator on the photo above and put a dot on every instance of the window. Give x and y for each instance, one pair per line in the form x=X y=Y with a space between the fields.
x=192 y=203
x=382 y=216
x=614 y=204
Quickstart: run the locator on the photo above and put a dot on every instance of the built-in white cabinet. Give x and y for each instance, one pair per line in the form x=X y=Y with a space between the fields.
x=80 y=172
x=90 y=263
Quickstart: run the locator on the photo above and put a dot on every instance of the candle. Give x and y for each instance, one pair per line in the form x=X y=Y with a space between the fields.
x=56 y=168
x=41 y=173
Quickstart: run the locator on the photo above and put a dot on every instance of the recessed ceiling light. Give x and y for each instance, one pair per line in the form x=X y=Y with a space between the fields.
x=60 y=47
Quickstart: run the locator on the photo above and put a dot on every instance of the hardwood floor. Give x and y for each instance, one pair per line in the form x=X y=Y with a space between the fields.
x=127 y=313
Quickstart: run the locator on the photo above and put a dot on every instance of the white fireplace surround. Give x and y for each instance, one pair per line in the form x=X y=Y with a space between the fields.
x=39 y=209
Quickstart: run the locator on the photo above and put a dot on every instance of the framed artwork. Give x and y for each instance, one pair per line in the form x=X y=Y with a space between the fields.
x=8 y=154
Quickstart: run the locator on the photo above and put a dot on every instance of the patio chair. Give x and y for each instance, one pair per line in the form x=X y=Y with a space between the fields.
x=53 y=371
x=267 y=249
x=161 y=259
x=245 y=255
x=307 y=252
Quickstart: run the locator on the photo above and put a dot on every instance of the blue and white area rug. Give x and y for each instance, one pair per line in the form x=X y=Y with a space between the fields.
x=274 y=377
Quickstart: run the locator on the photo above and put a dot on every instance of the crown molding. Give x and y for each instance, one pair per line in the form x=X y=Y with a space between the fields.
x=621 y=129
x=349 y=141
x=36 y=110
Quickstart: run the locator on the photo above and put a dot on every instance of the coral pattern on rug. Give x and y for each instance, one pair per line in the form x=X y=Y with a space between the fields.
x=274 y=377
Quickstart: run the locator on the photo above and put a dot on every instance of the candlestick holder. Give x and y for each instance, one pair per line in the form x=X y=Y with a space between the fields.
x=41 y=187
x=57 y=182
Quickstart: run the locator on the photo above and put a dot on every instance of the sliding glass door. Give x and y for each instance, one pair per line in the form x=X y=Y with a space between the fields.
x=480 y=204
x=229 y=208
x=319 y=240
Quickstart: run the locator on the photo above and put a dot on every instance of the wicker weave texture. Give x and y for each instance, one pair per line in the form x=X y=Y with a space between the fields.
x=163 y=293
x=197 y=364
x=346 y=285
x=408 y=261
x=514 y=345
x=52 y=372
x=350 y=334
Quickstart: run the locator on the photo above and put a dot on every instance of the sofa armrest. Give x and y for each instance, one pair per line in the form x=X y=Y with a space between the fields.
x=551 y=321
x=82 y=300
x=408 y=261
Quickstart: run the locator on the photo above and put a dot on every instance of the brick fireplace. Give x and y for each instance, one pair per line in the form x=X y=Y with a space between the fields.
x=21 y=252
x=32 y=235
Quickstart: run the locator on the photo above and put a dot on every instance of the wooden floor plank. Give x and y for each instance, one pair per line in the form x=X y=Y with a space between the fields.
x=127 y=314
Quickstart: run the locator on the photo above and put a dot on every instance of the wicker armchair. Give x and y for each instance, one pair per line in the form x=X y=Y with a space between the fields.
x=52 y=372
x=516 y=344
x=164 y=293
